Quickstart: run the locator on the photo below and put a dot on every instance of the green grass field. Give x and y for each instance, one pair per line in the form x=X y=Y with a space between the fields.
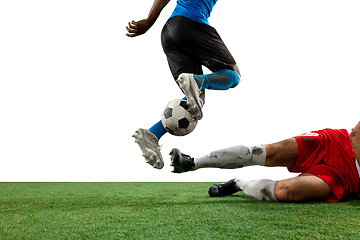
x=163 y=211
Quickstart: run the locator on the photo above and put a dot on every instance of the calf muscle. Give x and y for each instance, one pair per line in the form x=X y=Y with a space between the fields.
x=304 y=188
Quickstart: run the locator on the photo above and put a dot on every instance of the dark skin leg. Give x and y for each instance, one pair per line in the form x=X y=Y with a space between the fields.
x=235 y=68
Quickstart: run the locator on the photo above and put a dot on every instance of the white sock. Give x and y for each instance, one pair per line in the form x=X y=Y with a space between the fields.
x=258 y=155
x=233 y=157
x=260 y=189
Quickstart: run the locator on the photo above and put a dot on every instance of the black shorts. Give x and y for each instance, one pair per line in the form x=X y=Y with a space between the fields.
x=189 y=44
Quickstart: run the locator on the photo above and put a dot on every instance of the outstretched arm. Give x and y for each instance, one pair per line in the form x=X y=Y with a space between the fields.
x=140 y=27
x=355 y=141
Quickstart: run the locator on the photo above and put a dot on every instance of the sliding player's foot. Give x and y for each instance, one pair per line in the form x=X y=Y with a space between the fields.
x=149 y=146
x=181 y=162
x=190 y=88
x=223 y=189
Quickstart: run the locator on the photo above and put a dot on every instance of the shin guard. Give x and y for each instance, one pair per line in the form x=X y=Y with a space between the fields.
x=260 y=189
x=233 y=157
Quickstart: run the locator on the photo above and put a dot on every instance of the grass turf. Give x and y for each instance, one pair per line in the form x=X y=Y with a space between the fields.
x=163 y=211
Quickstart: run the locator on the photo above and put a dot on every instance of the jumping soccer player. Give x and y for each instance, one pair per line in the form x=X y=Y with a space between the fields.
x=189 y=43
x=328 y=161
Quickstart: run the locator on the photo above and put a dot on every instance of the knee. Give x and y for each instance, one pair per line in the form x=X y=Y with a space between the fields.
x=281 y=193
x=284 y=192
x=237 y=79
x=235 y=76
x=236 y=69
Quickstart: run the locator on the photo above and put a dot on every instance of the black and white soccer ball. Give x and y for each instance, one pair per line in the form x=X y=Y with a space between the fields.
x=177 y=119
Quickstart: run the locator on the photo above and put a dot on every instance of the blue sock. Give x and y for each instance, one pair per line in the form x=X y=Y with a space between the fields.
x=220 y=80
x=158 y=130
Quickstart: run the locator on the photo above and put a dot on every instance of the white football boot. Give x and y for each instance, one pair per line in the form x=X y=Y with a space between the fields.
x=190 y=88
x=150 y=148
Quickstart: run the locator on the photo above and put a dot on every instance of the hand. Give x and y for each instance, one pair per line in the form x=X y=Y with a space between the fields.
x=137 y=28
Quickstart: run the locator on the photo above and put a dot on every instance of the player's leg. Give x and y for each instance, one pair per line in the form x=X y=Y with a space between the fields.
x=178 y=63
x=174 y=37
x=192 y=91
x=220 y=80
x=283 y=153
x=202 y=44
x=304 y=188
x=229 y=158
x=225 y=74
x=262 y=189
x=208 y=48
x=148 y=141
x=300 y=154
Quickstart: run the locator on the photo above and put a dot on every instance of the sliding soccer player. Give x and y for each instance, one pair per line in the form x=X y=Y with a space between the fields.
x=327 y=160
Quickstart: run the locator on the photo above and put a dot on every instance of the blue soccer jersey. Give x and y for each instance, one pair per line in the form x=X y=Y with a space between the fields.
x=197 y=10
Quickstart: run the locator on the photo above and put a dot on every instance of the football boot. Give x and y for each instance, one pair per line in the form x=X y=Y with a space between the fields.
x=190 y=88
x=149 y=145
x=181 y=162
x=223 y=189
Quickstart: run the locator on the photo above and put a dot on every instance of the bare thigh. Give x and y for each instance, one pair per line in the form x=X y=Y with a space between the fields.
x=282 y=153
x=304 y=188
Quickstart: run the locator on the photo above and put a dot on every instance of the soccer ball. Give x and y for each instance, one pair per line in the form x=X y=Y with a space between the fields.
x=177 y=119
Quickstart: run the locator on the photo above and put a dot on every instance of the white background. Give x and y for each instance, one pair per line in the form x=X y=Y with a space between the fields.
x=74 y=88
